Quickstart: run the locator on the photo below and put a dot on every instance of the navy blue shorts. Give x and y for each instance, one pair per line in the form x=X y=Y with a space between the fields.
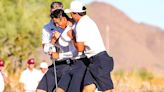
x=88 y=78
x=70 y=77
x=100 y=67
x=74 y=77
x=47 y=83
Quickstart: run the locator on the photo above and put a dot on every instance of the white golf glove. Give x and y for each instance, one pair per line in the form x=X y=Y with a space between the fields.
x=49 y=48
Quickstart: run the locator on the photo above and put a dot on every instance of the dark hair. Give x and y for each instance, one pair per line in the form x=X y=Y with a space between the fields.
x=84 y=8
x=56 y=4
x=82 y=13
x=58 y=14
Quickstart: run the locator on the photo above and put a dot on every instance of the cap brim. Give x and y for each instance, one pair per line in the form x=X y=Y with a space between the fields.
x=67 y=10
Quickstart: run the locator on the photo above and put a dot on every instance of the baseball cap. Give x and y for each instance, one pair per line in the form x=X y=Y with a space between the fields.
x=31 y=61
x=75 y=6
x=43 y=65
x=2 y=63
x=56 y=5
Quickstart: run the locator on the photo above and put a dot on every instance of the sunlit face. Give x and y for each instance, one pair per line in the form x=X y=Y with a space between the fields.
x=44 y=70
x=60 y=22
x=74 y=16
x=31 y=66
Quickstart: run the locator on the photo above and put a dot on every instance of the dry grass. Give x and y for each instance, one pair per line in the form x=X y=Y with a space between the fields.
x=139 y=80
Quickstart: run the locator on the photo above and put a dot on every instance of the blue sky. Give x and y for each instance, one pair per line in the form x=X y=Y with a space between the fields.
x=147 y=11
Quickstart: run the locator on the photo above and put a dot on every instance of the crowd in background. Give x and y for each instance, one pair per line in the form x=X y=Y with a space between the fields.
x=29 y=78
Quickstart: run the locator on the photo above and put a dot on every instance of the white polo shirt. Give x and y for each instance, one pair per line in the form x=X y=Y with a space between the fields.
x=87 y=31
x=2 y=84
x=30 y=79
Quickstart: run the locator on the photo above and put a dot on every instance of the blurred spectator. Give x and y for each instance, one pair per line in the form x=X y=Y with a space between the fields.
x=29 y=78
x=43 y=69
x=3 y=76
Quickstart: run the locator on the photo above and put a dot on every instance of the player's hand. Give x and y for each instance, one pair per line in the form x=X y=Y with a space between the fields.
x=54 y=55
x=55 y=36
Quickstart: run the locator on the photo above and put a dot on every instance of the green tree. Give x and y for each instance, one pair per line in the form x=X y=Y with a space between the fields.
x=20 y=29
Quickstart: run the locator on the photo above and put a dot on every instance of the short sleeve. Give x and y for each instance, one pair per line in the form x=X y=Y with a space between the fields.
x=45 y=36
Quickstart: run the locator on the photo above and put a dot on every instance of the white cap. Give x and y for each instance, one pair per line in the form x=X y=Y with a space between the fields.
x=76 y=6
x=43 y=65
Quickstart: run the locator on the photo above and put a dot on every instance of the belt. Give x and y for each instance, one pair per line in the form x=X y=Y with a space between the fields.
x=67 y=61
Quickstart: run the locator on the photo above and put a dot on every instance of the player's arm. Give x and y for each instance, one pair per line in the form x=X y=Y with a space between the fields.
x=45 y=37
x=79 y=46
x=49 y=46
x=22 y=87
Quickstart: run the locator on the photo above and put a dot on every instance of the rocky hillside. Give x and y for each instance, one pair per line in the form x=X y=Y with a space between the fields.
x=133 y=45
